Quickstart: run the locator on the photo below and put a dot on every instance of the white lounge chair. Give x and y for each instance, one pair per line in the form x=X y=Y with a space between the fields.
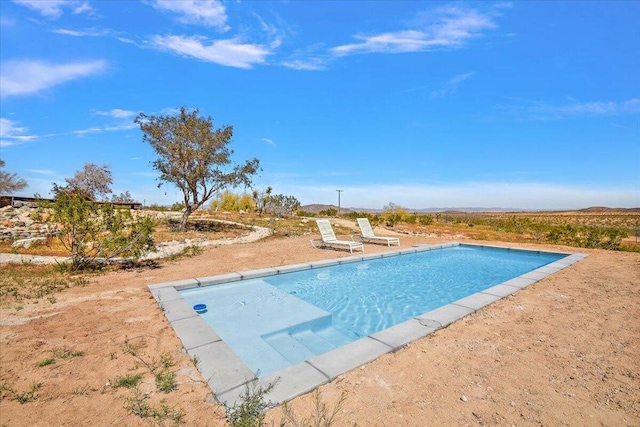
x=367 y=234
x=328 y=238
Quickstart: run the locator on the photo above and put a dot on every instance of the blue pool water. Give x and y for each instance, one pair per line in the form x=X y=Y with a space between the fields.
x=279 y=320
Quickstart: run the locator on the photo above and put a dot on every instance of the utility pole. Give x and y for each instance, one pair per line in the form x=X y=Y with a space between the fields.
x=339 y=191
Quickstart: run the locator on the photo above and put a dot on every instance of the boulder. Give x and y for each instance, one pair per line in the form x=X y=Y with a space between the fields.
x=26 y=243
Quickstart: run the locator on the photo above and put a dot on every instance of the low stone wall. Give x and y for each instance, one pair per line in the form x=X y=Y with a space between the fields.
x=18 y=223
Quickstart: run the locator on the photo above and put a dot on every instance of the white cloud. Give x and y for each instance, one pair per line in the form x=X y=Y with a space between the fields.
x=268 y=141
x=311 y=58
x=26 y=77
x=89 y=32
x=275 y=33
x=12 y=134
x=308 y=64
x=452 y=85
x=537 y=110
x=102 y=129
x=394 y=42
x=448 y=27
x=55 y=8
x=210 y=13
x=47 y=172
x=117 y=113
x=230 y=52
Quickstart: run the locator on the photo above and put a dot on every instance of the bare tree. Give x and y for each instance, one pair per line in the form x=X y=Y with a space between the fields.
x=194 y=156
x=92 y=182
x=122 y=198
x=281 y=205
x=261 y=199
x=10 y=182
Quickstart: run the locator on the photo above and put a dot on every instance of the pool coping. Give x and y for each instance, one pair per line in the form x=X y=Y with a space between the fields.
x=228 y=376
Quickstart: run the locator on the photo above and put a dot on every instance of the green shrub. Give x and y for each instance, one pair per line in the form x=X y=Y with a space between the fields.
x=250 y=411
x=166 y=381
x=139 y=406
x=46 y=362
x=29 y=395
x=127 y=381
x=328 y=212
x=425 y=219
x=322 y=416
x=93 y=232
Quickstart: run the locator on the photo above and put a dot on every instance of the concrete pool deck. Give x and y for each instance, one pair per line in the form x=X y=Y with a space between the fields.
x=227 y=375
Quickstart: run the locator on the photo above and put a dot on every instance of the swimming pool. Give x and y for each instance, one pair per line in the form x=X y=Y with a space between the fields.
x=287 y=322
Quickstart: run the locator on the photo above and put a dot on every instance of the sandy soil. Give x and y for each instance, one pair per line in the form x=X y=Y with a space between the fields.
x=564 y=351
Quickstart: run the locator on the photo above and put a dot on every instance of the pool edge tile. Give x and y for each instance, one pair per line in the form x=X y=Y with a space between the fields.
x=194 y=332
x=519 y=282
x=398 y=336
x=164 y=294
x=177 y=309
x=254 y=274
x=445 y=315
x=501 y=290
x=289 y=383
x=220 y=278
x=350 y=259
x=220 y=367
x=293 y=267
x=294 y=381
x=534 y=275
x=348 y=357
x=178 y=284
x=476 y=301
x=325 y=263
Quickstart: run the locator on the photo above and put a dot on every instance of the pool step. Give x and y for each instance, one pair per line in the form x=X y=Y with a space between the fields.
x=333 y=335
x=301 y=344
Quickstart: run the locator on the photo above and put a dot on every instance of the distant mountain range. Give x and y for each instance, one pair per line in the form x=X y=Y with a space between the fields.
x=315 y=208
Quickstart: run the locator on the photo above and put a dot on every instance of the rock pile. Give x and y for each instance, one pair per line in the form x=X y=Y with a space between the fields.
x=18 y=223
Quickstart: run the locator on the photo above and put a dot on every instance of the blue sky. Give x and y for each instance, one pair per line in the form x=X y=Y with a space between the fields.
x=532 y=105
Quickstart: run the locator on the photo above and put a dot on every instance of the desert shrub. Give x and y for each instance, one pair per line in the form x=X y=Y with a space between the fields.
x=157 y=207
x=322 y=416
x=227 y=201
x=128 y=381
x=29 y=395
x=328 y=212
x=231 y=202
x=425 y=219
x=139 y=406
x=352 y=215
x=281 y=205
x=177 y=207
x=92 y=232
x=586 y=236
x=394 y=214
x=392 y=219
x=409 y=218
x=374 y=219
x=249 y=412
x=122 y=198
x=166 y=380
x=246 y=203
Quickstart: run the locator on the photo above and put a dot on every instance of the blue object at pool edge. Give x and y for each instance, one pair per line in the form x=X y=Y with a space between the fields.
x=200 y=308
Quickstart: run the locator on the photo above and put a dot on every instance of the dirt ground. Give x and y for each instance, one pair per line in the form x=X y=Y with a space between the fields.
x=564 y=351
